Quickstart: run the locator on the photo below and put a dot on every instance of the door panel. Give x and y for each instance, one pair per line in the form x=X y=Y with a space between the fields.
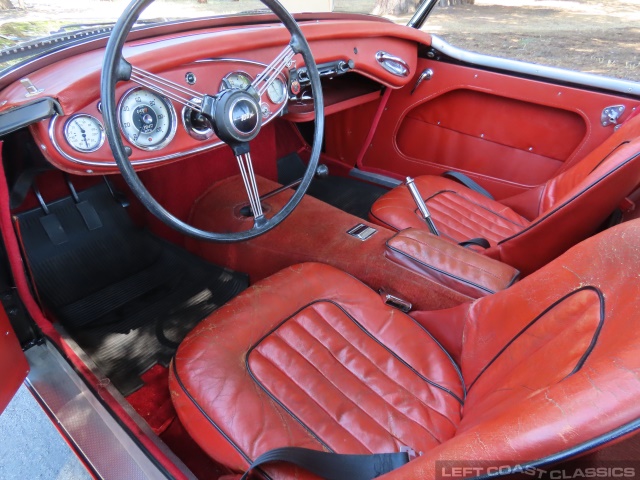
x=13 y=364
x=507 y=133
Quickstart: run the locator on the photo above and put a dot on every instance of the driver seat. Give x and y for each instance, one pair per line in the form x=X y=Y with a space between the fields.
x=310 y=357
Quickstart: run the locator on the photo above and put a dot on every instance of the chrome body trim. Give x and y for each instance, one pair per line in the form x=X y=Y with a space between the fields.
x=172 y=112
x=102 y=135
x=84 y=421
x=551 y=73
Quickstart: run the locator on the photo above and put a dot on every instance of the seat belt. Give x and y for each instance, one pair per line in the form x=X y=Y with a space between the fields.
x=479 y=242
x=467 y=182
x=335 y=466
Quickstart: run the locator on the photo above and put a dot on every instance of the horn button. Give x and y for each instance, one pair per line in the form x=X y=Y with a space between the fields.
x=237 y=117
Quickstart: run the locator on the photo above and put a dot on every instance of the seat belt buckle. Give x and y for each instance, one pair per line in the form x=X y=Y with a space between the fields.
x=411 y=453
x=395 y=302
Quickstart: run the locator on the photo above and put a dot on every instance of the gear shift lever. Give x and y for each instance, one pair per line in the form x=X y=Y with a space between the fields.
x=424 y=211
x=321 y=172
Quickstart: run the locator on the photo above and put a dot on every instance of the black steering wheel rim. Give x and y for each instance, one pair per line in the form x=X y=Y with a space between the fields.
x=115 y=69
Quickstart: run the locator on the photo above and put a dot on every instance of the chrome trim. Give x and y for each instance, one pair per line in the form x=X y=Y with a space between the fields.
x=611 y=115
x=283 y=91
x=89 y=163
x=189 y=128
x=102 y=135
x=173 y=156
x=551 y=73
x=385 y=59
x=172 y=112
x=92 y=429
x=235 y=72
x=422 y=12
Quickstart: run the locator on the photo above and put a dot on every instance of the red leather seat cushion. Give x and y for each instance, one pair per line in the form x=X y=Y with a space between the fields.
x=458 y=212
x=311 y=357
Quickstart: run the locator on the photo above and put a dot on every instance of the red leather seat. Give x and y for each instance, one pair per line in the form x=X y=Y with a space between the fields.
x=530 y=229
x=311 y=357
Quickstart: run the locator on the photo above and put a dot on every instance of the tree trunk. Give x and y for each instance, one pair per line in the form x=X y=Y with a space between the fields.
x=449 y=3
x=5 y=4
x=395 y=7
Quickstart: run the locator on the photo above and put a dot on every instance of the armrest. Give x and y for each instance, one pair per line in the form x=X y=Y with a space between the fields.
x=459 y=268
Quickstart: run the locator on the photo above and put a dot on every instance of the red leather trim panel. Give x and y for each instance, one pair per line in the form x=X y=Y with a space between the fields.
x=315 y=231
x=460 y=268
x=349 y=391
x=560 y=124
x=13 y=363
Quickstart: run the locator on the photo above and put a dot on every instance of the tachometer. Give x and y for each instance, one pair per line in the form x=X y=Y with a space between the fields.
x=147 y=119
x=84 y=133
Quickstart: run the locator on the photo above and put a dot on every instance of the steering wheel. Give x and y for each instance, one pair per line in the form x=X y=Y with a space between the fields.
x=235 y=115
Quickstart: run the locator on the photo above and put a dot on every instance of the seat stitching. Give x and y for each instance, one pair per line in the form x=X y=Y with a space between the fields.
x=422 y=427
x=363 y=354
x=452 y=257
x=277 y=367
x=463 y=202
x=215 y=425
x=474 y=203
x=541 y=315
x=489 y=226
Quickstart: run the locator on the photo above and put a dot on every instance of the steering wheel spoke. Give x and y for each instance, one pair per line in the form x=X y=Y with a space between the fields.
x=176 y=92
x=264 y=79
x=249 y=179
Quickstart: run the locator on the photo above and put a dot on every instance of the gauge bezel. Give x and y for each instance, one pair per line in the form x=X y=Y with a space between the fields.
x=189 y=128
x=66 y=132
x=283 y=91
x=172 y=112
x=234 y=72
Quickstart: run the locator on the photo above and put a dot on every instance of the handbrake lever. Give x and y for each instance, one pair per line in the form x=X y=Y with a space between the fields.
x=422 y=207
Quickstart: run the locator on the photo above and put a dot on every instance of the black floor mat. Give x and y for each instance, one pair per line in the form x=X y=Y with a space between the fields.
x=126 y=297
x=348 y=194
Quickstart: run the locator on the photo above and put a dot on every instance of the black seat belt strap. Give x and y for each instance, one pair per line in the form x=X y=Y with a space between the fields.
x=467 y=182
x=479 y=242
x=334 y=466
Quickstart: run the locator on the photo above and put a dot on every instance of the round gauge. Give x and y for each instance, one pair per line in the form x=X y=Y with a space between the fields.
x=236 y=80
x=84 y=133
x=147 y=119
x=277 y=91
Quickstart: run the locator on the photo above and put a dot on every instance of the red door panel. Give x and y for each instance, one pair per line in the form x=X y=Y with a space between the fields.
x=13 y=364
x=507 y=133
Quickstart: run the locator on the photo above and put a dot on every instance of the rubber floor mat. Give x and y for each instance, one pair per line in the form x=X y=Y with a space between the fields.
x=348 y=194
x=125 y=296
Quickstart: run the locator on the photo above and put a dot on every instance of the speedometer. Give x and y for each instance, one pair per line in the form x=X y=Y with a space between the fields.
x=147 y=119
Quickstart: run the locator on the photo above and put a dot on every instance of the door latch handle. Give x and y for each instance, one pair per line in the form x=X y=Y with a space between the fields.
x=426 y=75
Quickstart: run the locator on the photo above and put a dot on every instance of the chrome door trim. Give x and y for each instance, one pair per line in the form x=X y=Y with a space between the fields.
x=550 y=73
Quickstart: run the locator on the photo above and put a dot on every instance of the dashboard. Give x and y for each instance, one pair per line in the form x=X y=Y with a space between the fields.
x=157 y=129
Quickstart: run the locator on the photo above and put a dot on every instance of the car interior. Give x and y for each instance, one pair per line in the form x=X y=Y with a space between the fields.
x=256 y=233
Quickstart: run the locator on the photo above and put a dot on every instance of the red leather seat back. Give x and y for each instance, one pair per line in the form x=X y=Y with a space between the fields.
x=552 y=362
x=575 y=203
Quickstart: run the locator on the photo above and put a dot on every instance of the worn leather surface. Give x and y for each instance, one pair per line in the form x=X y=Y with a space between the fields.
x=314 y=232
x=548 y=364
x=460 y=268
x=347 y=372
x=13 y=364
x=567 y=208
x=459 y=213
